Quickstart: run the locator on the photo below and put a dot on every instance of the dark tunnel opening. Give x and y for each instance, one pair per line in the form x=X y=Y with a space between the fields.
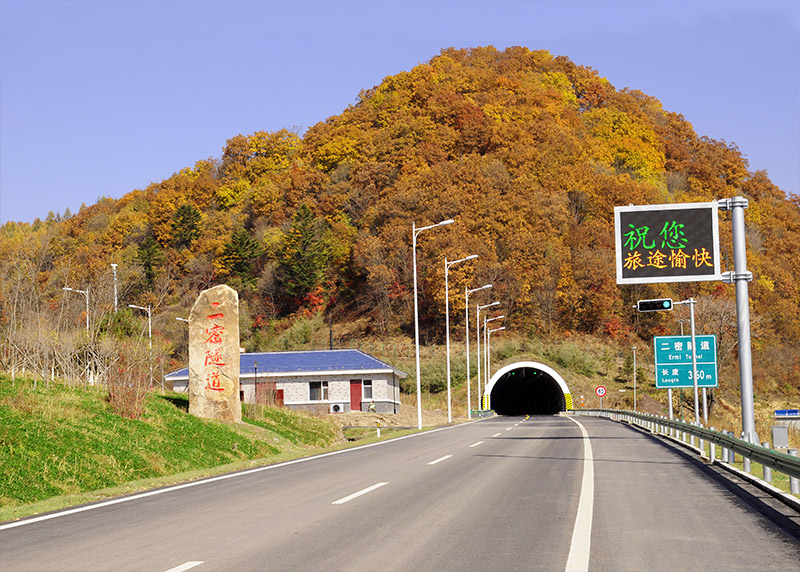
x=527 y=391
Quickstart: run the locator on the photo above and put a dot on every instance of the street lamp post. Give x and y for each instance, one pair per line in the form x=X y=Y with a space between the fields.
x=114 y=270
x=489 y=345
x=149 y=338
x=467 y=292
x=255 y=382
x=447 y=266
x=414 y=232
x=149 y=322
x=486 y=375
x=86 y=294
x=478 y=309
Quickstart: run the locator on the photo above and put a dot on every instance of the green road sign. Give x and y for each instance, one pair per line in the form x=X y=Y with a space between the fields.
x=674 y=361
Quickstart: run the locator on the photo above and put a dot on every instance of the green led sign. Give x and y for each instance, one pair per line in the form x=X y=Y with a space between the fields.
x=667 y=243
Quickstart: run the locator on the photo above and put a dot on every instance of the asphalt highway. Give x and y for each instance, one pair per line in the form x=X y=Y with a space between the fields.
x=507 y=493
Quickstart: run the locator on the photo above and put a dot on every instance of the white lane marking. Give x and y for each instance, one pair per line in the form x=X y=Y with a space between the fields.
x=440 y=459
x=359 y=493
x=497 y=434
x=185 y=566
x=578 y=560
x=476 y=444
x=224 y=477
x=509 y=428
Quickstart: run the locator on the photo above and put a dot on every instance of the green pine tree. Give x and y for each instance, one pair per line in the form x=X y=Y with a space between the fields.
x=239 y=256
x=302 y=256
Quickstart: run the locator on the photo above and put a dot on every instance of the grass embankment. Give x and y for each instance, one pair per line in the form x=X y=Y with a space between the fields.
x=61 y=446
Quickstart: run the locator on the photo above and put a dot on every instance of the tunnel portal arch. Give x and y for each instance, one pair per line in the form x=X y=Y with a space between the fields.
x=528 y=388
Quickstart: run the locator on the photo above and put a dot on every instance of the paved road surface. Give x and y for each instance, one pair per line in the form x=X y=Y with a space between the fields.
x=500 y=494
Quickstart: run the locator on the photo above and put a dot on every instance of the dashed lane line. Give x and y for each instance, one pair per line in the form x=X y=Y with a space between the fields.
x=476 y=444
x=186 y=566
x=359 y=493
x=440 y=459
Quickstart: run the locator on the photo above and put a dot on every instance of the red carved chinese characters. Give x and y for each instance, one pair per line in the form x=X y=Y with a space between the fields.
x=214 y=357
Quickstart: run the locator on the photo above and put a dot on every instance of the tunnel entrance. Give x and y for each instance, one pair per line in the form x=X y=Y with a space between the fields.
x=528 y=388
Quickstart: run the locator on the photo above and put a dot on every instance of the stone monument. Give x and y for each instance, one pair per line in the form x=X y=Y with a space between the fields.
x=214 y=355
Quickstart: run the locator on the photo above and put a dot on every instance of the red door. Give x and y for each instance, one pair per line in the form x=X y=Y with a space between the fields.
x=355 y=395
x=268 y=394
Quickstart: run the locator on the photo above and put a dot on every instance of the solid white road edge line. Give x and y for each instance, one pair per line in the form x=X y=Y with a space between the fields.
x=186 y=566
x=359 y=493
x=476 y=444
x=440 y=459
x=155 y=492
x=578 y=560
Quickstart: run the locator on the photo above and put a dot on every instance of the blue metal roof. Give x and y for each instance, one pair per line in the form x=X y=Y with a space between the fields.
x=286 y=363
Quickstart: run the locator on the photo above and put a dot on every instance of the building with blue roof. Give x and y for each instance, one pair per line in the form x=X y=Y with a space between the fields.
x=331 y=380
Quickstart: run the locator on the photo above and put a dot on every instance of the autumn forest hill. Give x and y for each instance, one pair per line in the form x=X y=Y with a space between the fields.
x=528 y=152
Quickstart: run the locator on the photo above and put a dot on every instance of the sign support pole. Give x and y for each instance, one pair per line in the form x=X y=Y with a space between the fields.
x=740 y=277
x=694 y=363
x=691 y=302
x=669 y=398
x=634 y=378
x=705 y=407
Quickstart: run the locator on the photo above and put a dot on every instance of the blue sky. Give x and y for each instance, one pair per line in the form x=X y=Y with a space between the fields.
x=100 y=97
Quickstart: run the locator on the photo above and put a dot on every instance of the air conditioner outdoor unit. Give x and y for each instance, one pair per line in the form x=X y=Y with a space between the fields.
x=337 y=407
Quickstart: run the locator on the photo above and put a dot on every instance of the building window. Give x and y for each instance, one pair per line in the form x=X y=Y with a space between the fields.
x=318 y=390
x=367 y=393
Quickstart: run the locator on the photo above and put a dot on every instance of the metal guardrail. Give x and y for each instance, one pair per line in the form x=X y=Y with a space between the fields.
x=781 y=462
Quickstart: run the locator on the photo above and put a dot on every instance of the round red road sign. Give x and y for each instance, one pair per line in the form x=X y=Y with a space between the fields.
x=600 y=391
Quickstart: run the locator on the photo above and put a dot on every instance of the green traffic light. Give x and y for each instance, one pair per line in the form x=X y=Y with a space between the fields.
x=654 y=305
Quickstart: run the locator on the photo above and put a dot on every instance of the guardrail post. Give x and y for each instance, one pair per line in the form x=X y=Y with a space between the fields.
x=794 y=482
x=746 y=464
x=767 y=470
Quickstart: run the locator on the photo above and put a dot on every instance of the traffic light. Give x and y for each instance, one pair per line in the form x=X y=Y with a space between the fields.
x=654 y=305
